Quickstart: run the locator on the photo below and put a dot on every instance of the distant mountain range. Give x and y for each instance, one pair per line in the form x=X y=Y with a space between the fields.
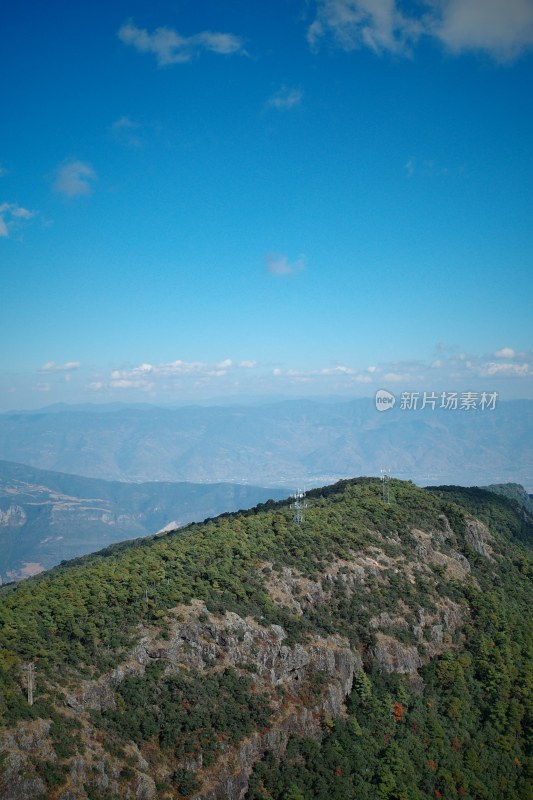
x=47 y=517
x=289 y=443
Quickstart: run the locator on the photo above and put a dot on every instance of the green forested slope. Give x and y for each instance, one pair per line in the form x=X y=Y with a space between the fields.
x=144 y=677
x=466 y=734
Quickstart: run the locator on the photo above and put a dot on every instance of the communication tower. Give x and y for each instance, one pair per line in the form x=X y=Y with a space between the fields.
x=299 y=505
x=385 y=480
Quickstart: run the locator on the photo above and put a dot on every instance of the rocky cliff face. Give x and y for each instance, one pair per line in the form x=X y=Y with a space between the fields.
x=396 y=587
x=202 y=641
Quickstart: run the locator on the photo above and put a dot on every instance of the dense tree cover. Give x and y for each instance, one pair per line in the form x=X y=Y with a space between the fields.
x=514 y=491
x=501 y=511
x=189 y=712
x=82 y=615
x=464 y=734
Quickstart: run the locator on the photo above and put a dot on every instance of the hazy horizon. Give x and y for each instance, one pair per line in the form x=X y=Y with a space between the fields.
x=208 y=200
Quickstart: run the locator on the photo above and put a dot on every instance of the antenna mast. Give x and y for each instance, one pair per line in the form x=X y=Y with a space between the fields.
x=385 y=480
x=299 y=505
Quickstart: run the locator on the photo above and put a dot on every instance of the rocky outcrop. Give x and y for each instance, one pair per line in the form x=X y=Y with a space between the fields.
x=427 y=549
x=290 y=588
x=394 y=656
x=14 y=516
x=94 y=696
x=202 y=641
x=479 y=538
x=19 y=779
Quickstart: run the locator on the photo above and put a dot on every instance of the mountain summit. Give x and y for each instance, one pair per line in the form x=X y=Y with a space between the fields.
x=377 y=648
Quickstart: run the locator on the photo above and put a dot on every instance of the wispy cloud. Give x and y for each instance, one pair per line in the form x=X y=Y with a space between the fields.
x=51 y=367
x=285 y=98
x=169 y=47
x=127 y=131
x=279 y=264
x=74 y=179
x=523 y=370
x=503 y=29
x=463 y=371
x=11 y=215
x=147 y=376
x=341 y=371
x=351 y=24
x=178 y=379
x=428 y=168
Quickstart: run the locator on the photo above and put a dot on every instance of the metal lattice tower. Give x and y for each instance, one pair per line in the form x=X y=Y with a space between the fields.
x=385 y=480
x=299 y=506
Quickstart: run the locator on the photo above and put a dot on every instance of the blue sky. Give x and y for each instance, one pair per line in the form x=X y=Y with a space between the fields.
x=203 y=199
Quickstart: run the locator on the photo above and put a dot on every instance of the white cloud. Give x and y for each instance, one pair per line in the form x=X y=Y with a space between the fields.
x=51 y=366
x=169 y=376
x=3 y=170
x=144 y=375
x=42 y=387
x=512 y=370
x=10 y=216
x=169 y=47
x=279 y=264
x=124 y=383
x=505 y=352
x=345 y=375
x=501 y=28
x=285 y=98
x=74 y=178
x=377 y=24
x=396 y=377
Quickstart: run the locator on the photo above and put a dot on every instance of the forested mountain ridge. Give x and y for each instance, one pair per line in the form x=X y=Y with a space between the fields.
x=513 y=491
x=378 y=650
x=47 y=517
